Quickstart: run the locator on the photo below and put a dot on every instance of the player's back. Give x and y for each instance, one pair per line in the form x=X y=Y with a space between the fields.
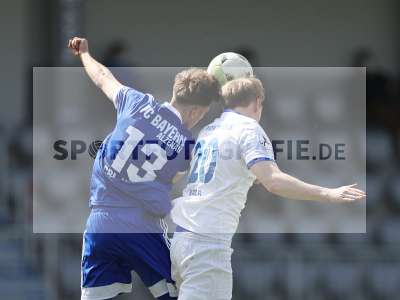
x=136 y=164
x=219 y=176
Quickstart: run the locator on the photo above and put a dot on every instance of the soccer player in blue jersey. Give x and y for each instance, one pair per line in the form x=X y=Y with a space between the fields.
x=131 y=180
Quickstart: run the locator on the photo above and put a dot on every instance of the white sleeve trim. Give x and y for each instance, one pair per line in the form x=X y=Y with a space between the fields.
x=258 y=159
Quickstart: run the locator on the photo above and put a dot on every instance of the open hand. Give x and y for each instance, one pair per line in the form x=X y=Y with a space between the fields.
x=347 y=193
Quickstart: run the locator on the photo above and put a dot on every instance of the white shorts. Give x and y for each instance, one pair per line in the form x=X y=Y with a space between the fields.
x=201 y=267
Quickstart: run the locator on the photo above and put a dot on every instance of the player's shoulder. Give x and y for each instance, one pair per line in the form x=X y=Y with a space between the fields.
x=250 y=129
x=136 y=94
x=127 y=91
x=235 y=123
x=245 y=124
x=129 y=99
x=230 y=116
x=249 y=124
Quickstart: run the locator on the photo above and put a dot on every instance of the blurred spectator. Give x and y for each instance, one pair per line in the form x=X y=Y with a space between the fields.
x=382 y=95
x=114 y=54
x=115 y=57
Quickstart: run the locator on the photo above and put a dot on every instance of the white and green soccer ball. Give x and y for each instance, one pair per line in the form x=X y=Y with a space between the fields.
x=229 y=65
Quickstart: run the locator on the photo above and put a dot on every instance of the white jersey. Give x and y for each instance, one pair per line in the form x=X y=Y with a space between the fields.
x=219 y=176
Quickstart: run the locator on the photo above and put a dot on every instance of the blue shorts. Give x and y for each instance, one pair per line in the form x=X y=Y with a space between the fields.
x=109 y=258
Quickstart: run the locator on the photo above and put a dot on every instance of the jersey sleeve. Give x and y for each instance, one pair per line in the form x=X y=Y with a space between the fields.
x=126 y=98
x=255 y=146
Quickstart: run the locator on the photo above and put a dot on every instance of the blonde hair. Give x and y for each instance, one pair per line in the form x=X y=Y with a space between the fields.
x=242 y=91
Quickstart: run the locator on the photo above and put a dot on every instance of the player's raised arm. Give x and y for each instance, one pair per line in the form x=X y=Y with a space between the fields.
x=98 y=73
x=282 y=184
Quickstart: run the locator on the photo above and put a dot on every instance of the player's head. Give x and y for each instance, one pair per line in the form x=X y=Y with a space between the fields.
x=246 y=95
x=194 y=90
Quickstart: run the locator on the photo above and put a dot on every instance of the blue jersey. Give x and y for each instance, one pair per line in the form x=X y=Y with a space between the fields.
x=137 y=161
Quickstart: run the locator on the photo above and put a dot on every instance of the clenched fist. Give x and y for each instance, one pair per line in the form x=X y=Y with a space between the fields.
x=78 y=45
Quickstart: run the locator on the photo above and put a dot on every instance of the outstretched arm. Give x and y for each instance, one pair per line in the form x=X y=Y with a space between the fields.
x=99 y=74
x=282 y=184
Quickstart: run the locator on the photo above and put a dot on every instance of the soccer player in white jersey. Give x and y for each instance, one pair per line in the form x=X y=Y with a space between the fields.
x=230 y=154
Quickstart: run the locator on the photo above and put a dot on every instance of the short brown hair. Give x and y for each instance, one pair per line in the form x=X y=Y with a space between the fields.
x=196 y=87
x=242 y=91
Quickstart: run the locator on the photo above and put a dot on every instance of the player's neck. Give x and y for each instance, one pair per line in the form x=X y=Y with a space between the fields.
x=183 y=112
x=246 y=111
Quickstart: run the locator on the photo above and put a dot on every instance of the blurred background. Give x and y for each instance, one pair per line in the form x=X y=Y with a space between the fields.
x=153 y=33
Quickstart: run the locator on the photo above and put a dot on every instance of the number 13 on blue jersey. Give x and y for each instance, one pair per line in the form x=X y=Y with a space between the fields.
x=133 y=139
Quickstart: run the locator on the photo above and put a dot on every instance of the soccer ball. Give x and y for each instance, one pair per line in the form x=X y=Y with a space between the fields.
x=228 y=66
